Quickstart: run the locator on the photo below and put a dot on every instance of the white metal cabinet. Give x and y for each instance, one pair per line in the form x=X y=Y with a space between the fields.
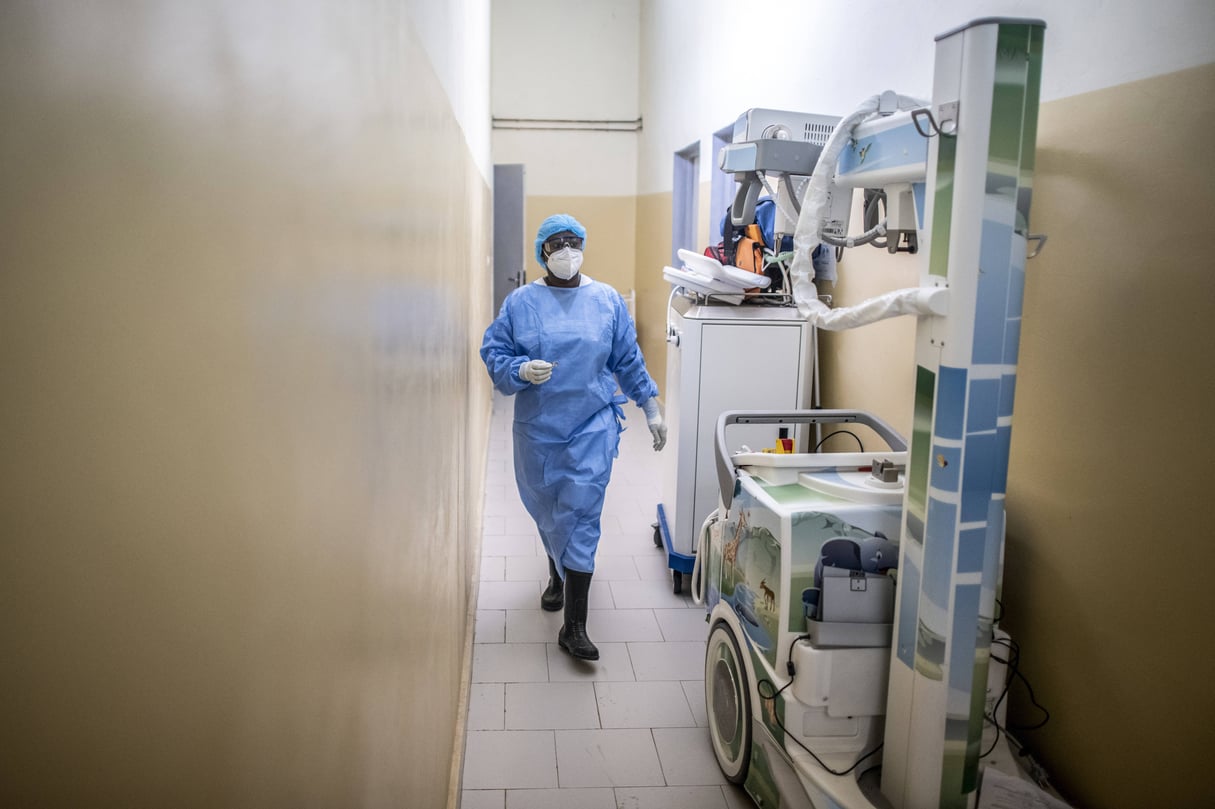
x=723 y=358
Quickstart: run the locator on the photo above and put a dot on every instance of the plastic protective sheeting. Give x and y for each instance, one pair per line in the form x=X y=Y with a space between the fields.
x=814 y=201
x=914 y=301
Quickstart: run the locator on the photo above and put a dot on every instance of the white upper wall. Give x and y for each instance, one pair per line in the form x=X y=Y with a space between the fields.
x=567 y=59
x=560 y=164
x=455 y=35
x=827 y=57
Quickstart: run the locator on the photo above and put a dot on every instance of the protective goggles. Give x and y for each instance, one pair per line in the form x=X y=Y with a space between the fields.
x=555 y=243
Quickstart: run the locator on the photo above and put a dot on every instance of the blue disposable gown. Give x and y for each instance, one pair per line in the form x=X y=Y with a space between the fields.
x=567 y=430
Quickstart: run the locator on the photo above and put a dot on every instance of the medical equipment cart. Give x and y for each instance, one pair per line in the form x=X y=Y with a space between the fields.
x=723 y=357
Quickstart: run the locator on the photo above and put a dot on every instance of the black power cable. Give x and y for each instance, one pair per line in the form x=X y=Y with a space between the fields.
x=838 y=432
x=776 y=716
x=1013 y=662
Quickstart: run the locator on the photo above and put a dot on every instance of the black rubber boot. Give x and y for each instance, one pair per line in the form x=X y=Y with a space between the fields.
x=572 y=637
x=553 y=597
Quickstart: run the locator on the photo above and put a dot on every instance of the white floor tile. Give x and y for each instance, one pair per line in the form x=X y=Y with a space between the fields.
x=493 y=568
x=483 y=799
x=643 y=705
x=596 y=798
x=533 y=626
x=647 y=595
x=687 y=756
x=627 y=730
x=683 y=624
x=625 y=509
x=695 y=692
x=639 y=521
x=506 y=489
x=509 y=507
x=527 y=568
x=508 y=595
x=520 y=524
x=654 y=567
x=513 y=545
x=617 y=544
x=509 y=663
x=672 y=660
x=497 y=490
x=671 y=798
x=541 y=706
x=629 y=472
x=489 y=626
x=600 y=597
x=607 y=758
x=648 y=477
x=613 y=664
x=486 y=707
x=624 y=492
x=506 y=759
x=619 y=626
x=615 y=568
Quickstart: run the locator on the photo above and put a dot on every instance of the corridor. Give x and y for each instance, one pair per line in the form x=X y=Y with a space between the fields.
x=548 y=732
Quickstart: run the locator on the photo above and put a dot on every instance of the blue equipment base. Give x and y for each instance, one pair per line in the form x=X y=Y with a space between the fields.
x=678 y=562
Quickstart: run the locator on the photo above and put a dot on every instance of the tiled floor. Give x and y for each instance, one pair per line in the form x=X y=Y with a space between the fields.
x=628 y=730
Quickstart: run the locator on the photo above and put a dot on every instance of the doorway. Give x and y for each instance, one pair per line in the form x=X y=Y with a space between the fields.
x=508 y=231
x=683 y=200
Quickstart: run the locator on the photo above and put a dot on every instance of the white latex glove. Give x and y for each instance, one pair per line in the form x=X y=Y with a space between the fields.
x=536 y=371
x=654 y=420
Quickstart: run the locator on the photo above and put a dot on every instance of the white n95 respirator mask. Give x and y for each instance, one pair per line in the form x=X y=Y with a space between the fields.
x=565 y=263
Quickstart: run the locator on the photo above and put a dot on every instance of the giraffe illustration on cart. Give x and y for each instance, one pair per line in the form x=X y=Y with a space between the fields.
x=730 y=551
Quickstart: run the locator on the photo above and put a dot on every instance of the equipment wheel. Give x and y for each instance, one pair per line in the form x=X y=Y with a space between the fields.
x=728 y=703
x=657 y=536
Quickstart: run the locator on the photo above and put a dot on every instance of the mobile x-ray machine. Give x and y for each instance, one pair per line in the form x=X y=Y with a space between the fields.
x=851 y=595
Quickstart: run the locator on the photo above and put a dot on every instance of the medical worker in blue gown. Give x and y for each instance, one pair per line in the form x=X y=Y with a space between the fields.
x=562 y=345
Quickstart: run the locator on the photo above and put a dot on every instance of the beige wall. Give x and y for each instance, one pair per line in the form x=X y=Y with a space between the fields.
x=653 y=291
x=1109 y=535
x=875 y=365
x=609 y=222
x=244 y=263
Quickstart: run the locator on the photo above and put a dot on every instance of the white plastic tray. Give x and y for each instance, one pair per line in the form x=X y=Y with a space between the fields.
x=707 y=265
x=703 y=284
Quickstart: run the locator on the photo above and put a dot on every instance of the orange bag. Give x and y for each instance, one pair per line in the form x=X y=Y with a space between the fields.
x=749 y=252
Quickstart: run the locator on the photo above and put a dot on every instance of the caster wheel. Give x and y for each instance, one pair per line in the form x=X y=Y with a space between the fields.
x=657 y=536
x=678 y=578
x=728 y=702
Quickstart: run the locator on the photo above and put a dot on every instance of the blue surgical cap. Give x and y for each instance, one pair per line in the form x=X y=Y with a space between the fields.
x=557 y=223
